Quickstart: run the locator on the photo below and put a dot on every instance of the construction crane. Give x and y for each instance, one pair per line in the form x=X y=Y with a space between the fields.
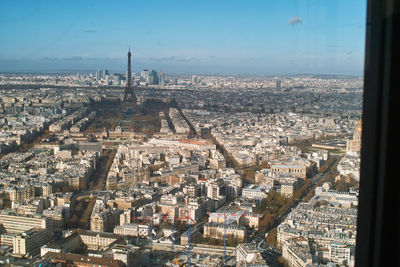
x=189 y=242
x=225 y=222
x=151 y=242
x=172 y=234
x=189 y=223
x=149 y=220
x=150 y=235
x=184 y=217
x=173 y=229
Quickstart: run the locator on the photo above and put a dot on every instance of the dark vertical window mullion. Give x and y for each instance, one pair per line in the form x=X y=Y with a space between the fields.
x=378 y=203
x=370 y=135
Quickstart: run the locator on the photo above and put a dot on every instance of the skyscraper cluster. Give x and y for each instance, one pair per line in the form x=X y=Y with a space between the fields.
x=152 y=77
x=101 y=74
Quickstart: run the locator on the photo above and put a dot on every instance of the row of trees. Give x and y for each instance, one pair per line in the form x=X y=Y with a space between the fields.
x=80 y=217
x=99 y=177
x=328 y=177
x=274 y=207
x=108 y=117
x=231 y=241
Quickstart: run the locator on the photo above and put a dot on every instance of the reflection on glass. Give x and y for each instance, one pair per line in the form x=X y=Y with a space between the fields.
x=167 y=133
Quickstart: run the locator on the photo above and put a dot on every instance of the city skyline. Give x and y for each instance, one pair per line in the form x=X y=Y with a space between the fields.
x=196 y=170
x=295 y=37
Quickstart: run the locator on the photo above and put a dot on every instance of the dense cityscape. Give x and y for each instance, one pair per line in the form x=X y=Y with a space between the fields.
x=151 y=169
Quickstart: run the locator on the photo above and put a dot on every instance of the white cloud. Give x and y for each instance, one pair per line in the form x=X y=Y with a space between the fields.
x=295 y=20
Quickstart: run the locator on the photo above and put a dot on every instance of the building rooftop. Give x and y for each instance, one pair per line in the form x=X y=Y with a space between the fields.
x=67 y=257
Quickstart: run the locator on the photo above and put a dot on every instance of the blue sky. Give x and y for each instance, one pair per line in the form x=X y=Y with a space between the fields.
x=188 y=36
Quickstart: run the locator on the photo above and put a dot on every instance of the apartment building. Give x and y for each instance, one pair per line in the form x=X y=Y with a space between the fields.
x=29 y=242
x=18 y=224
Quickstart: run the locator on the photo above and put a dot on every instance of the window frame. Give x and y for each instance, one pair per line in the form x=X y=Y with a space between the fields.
x=378 y=221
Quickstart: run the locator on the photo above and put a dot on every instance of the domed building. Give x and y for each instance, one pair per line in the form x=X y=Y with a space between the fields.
x=354 y=144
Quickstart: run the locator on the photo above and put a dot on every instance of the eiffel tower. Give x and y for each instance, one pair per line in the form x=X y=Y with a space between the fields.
x=129 y=105
x=129 y=94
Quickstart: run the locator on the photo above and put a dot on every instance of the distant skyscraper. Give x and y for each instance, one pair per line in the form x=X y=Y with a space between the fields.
x=278 y=85
x=194 y=79
x=145 y=76
x=162 y=78
x=116 y=79
x=153 y=77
